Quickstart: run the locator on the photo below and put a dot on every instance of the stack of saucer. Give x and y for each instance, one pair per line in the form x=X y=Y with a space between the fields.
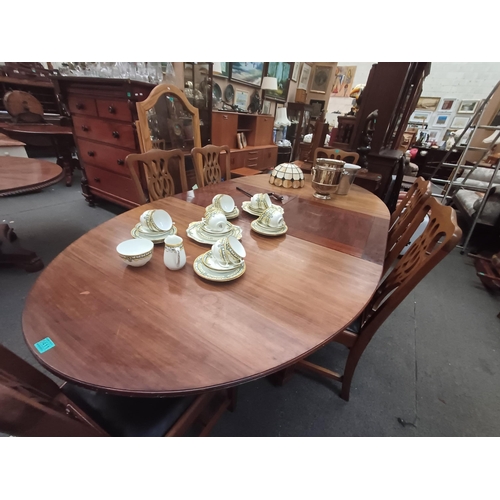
x=155 y=226
x=212 y=227
x=224 y=262
x=225 y=203
x=271 y=222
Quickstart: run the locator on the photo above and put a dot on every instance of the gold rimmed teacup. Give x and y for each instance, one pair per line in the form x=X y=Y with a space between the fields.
x=228 y=251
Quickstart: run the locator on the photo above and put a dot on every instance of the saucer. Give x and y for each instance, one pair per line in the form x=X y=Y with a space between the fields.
x=205 y=230
x=259 y=228
x=230 y=215
x=208 y=239
x=209 y=261
x=155 y=238
x=209 y=274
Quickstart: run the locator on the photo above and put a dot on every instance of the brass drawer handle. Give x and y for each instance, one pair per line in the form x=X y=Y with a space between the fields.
x=116 y=134
x=79 y=105
x=111 y=109
x=120 y=162
x=85 y=128
x=97 y=179
x=91 y=153
x=224 y=116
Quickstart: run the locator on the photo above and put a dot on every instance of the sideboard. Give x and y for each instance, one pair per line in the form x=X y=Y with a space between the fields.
x=103 y=115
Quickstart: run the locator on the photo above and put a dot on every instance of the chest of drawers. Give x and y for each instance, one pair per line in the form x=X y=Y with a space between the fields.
x=103 y=114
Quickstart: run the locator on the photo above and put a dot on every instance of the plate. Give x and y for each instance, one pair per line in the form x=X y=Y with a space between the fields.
x=258 y=228
x=159 y=238
x=192 y=232
x=209 y=274
x=229 y=94
x=231 y=215
x=217 y=92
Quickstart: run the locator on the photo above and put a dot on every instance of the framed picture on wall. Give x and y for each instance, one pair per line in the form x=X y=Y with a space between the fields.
x=441 y=120
x=459 y=122
x=321 y=79
x=435 y=134
x=428 y=103
x=241 y=98
x=304 y=76
x=448 y=105
x=281 y=71
x=295 y=73
x=224 y=69
x=468 y=106
x=266 y=107
x=420 y=117
x=249 y=73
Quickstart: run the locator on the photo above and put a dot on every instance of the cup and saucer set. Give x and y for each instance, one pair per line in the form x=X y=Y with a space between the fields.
x=214 y=224
x=155 y=226
x=258 y=203
x=225 y=203
x=223 y=262
x=270 y=220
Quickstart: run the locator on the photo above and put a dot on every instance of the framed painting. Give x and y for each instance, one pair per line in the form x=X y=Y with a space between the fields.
x=249 y=73
x=295 y=73
x=441 y=120
x=435 y=135
x=342 y=84
x=420 y=117
x=266 y=107
x=282 y=72
x=428 y=103
x=304 y=76
x=321 y=79
x=468 y=106
x=241 y=99
x=224 y=70
x=447 y=105
x=459 y=122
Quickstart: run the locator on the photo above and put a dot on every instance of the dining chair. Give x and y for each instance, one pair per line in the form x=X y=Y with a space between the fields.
x=157 y=167
x=207 y=164
x=336 y=154
x=404 y=220
x=438 y=239
x=32 y=404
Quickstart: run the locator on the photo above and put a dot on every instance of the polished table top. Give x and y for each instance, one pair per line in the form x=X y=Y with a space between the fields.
x=36 y=128
x=19 y=175
x=152 y=331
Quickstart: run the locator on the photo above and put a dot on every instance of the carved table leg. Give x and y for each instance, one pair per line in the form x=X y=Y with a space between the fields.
x=12 y=254
x=64 y=158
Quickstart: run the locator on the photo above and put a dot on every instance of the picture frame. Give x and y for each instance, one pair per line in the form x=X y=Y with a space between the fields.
x=321 y=79
x=428 y=103
x=248 y=73
x=305 y=75
x=420 y=117
x=266 y=107
x=459 y=122
x=441 y=120
x=447 y=105
x=295 y=73
x=241 y=99
x=468 y=106
x=282 y=72
x=343 y=81
x=435 y=134
x=224 y=70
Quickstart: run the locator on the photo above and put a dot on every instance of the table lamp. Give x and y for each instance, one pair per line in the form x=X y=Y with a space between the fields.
x=269 y=83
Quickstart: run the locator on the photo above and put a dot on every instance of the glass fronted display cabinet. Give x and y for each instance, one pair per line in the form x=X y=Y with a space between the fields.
x=300 y=116
x=198 y=82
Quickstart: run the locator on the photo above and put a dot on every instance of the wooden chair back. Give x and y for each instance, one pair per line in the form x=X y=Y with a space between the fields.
x=31 y=404
x=335 y=154
x=404 y=221
x=157 y=168
x=207 y=164
x=439 y=238
x=167 y=120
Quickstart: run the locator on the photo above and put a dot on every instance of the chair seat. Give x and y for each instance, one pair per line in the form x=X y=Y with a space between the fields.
x=355 y=326
x=123 y=416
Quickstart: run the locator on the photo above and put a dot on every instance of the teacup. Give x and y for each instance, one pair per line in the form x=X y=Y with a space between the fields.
x=228 y=252
x=223 y=202
x=260 y=201
x=136 y=252
x=156 y=220
x=215 y=220
x=272 y=217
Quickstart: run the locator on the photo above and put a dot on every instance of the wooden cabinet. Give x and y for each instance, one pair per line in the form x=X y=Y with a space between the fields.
x=260 y=153
x=103 y=114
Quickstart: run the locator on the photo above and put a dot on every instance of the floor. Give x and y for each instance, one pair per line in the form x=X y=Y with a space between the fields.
x=431 y=370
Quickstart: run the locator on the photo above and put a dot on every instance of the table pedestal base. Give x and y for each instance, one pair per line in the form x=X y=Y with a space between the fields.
x=11 y=253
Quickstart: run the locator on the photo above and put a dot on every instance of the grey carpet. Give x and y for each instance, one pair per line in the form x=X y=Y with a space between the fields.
x=433 y=364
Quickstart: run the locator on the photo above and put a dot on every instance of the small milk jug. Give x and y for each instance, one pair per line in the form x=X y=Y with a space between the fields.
x=174 y=256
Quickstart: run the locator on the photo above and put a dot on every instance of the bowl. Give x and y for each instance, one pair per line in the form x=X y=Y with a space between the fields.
x=136 y=252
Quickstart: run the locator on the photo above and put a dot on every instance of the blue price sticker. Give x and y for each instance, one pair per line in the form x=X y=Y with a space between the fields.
x=44 y=345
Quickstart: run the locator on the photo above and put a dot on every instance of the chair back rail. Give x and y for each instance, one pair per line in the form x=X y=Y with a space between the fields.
x=207 y=162
x=335 y=154
x=157 y=166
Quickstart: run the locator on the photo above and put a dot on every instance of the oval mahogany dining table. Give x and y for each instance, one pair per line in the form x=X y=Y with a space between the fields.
x=149 y=331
